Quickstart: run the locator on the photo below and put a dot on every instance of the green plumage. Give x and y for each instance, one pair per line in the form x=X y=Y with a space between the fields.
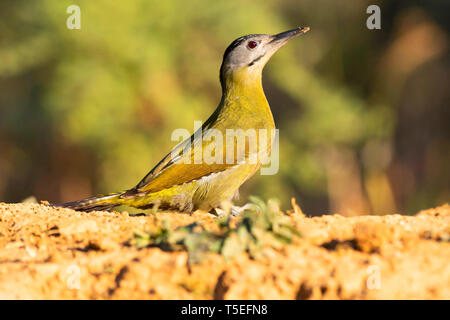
x=177 y=182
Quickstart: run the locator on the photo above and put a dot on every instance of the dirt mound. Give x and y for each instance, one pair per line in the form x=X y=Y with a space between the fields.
x=56 y=253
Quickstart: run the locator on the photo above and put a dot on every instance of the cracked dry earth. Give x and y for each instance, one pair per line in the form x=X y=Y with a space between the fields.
x=56 y=253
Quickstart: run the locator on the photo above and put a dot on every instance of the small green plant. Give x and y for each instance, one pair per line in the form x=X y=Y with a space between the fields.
x=261 y=224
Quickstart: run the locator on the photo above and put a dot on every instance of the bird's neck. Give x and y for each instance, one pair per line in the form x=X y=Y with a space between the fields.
x=243 y=94
x=242 y=82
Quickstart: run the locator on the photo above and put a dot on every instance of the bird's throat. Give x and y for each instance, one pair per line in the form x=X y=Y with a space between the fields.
x=244 y=98
x=244 y=82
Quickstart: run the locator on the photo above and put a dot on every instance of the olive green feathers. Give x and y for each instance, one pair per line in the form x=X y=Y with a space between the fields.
x=180 y=181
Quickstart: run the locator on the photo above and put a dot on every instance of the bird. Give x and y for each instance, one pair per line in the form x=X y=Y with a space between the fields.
x=181 y=182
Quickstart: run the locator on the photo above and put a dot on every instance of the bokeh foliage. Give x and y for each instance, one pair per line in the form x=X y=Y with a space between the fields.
x=91 y=111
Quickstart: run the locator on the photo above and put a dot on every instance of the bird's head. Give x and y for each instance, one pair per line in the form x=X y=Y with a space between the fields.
x=246 y=56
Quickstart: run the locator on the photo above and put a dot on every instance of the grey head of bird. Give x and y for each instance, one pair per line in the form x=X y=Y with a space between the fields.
x=249 y=54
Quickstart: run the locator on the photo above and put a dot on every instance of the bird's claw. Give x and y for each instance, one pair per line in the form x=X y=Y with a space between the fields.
x=234 y=211
x=237 y=211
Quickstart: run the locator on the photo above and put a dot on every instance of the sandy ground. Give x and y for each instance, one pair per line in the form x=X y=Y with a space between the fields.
x=48 y=253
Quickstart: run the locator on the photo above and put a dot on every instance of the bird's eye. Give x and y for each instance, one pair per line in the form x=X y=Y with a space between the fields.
x=252 y=44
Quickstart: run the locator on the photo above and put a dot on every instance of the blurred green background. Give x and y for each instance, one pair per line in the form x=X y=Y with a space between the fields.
x=363 y=114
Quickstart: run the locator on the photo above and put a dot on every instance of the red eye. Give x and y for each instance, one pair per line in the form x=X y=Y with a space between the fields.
x=252 y=44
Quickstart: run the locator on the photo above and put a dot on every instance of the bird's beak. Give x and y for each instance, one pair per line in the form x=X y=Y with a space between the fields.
x=280 y=39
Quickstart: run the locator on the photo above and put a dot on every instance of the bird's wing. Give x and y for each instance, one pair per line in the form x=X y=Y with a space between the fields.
x=179 y=167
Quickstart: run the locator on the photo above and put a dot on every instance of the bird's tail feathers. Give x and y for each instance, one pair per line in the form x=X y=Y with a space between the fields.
x=94 y=204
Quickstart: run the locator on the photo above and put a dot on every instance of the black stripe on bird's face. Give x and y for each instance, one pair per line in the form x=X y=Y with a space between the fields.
x=255 y=60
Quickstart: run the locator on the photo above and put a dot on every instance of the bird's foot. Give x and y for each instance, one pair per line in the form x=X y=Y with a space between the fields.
x=233 y=211
x=237 y=211
x=218 y=212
